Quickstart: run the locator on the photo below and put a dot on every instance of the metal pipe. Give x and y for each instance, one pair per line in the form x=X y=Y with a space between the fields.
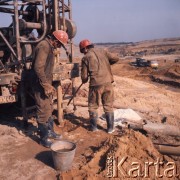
x=59 y=88
x=63 y=16
x=66 y=8
x=55 y=14
x=16 y=19
x=33 y=25
x=49 y=10
x=168 y=149
x=9 y=46
x=161 y=128
x=153 y=128
x=70 y=9
x=71 y=57
x=44 y=27
x=5 y=2
x=29 y=25
x=71 y=41
x=11 y=11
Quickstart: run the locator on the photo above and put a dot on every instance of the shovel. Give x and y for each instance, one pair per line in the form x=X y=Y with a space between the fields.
x=74 y=94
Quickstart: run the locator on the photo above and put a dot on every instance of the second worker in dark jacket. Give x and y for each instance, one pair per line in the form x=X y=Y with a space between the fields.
x=96 y=68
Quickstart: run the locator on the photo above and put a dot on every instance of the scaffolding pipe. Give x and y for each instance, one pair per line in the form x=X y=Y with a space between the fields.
x=16 y=22
x=49 y=10
x=65 y=6
x=5 y=3
x=63 y=17
x=71 y=41
x=71 y=58
x=11 y=11
x=55 y=14
x=7 y=43
x=59 y=88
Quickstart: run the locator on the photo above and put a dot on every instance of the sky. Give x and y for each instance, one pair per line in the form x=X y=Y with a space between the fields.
x=126 y=20
x=123 y=20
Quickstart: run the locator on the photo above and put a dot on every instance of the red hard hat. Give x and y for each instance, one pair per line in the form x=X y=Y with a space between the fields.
x=84 y=43
x=61 y=36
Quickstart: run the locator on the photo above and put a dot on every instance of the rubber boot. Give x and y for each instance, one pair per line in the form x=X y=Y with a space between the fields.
x=93 y=121
x=110 y=122
x=51 y=133
x=44 y=139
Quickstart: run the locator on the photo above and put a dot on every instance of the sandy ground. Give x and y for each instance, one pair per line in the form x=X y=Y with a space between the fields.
x=131 y=152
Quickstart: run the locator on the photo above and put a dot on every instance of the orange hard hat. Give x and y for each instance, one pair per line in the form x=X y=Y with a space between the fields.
x=61 y=36
x=84 y=43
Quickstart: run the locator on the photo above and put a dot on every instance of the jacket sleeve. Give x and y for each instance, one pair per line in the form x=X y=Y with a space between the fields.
x=84 y=71
x=113 y=58
x=40 y=61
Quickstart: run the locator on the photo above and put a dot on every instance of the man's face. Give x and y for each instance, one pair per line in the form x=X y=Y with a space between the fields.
x=57 y=44
x=84 y=50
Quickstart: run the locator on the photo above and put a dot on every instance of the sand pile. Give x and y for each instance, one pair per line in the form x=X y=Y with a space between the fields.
x=129 y=155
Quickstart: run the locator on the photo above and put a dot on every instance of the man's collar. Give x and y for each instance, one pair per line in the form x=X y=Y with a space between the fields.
x=49 y=41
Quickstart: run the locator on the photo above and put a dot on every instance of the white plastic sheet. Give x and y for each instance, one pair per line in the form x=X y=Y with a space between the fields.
x=124 y=115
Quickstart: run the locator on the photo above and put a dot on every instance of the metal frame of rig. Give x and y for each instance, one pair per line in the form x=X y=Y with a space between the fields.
x=32 y=21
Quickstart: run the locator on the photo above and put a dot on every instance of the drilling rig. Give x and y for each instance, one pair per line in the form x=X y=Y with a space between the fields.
x=32 y=21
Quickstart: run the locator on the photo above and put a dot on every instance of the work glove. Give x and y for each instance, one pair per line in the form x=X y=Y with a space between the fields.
x=48 y=89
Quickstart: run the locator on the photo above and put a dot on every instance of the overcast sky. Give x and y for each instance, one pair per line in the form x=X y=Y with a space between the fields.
x=126 y=20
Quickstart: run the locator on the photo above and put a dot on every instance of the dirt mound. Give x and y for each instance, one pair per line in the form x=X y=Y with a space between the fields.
x=146 y=70
x=124 y=70
x=131 y=150
x=174 y=71
x=168 y=75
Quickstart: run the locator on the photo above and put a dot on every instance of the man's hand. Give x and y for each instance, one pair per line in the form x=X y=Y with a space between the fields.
x=48 y=89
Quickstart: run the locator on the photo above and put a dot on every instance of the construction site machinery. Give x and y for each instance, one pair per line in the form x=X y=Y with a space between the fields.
x=145 y=63
x=30 y=22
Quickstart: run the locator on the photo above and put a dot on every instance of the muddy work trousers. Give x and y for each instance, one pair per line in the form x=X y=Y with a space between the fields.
x=102 y=93
x=44 y=105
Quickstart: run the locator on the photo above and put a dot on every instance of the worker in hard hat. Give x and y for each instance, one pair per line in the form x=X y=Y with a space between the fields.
x=43 y=90
x=95 y=66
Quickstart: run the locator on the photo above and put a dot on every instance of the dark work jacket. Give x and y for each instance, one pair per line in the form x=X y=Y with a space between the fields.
x=44 y=62
x=96 y=65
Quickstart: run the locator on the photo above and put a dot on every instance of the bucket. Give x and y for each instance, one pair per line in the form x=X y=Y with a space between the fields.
x=63 y=154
